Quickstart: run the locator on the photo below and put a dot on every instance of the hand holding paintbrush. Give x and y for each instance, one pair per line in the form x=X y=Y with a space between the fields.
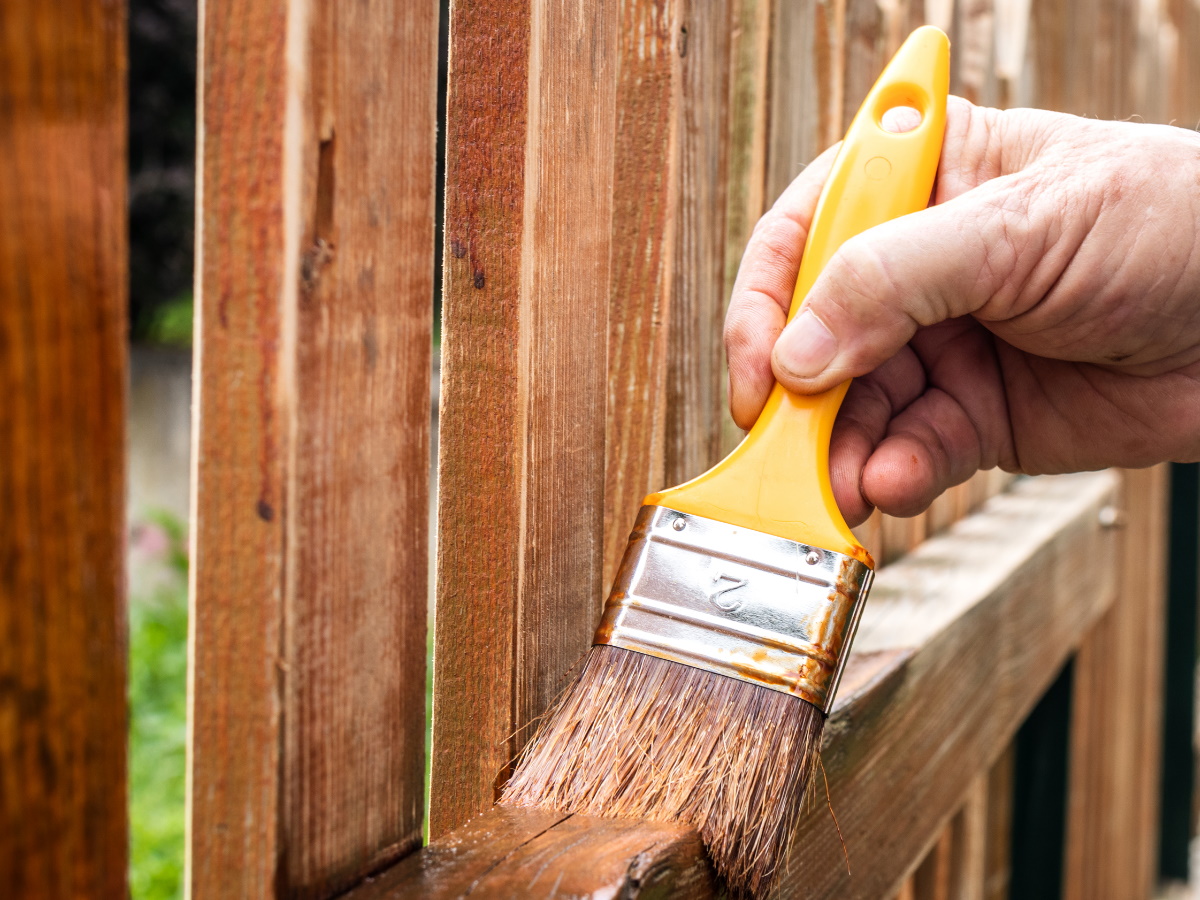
x=731 y=617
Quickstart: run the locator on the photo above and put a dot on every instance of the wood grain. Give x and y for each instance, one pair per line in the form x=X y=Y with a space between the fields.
x=695 y=390
x=311 y=445
x=974 y=51
x=990 y=608
x=968 y=860
x=1050 y=28
x=998 y=853
x=529 y=187
x=865 y=54
x=957 y=645
x=805 y=86
x=931 y=881
x=749 y=52
x=1112 y=811
x=63 y=250
x=899 y=536
x=644 y=222
x=539 y=856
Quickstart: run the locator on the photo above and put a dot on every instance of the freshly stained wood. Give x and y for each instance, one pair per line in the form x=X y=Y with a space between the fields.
x=63 y=722
x=960 y=639
x=312 y=444
x=645 y=204
x=534 y=855
x=1112 y=812
x=529 y=188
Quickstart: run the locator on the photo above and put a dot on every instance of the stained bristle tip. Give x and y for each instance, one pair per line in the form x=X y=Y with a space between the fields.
x=641 y=737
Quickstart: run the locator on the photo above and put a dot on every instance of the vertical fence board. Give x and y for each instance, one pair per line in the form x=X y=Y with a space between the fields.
x=805 y=87
x=997 y=865
x=931 y=881
x=749 y=52
x=975 y=51
x=865 y=41
x=62 y=439
x=529 y=173
x=1116 y=710
x=968 y=861
x=645 y=202
x=312 y=445
x=695 y=394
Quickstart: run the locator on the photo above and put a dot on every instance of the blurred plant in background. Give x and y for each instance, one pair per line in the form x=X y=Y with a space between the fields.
x=158 y=706
x=162 y=154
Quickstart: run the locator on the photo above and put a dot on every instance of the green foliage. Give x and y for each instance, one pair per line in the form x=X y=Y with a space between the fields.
x=158 y=713
x=171 y=322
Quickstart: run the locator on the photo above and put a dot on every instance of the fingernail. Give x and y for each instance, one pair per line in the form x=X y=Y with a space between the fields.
x=806 y=346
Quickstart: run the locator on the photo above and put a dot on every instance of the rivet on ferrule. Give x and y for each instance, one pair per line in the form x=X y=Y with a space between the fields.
x=736 y=602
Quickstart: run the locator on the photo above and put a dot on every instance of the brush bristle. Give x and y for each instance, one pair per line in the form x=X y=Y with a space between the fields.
x=641 y=737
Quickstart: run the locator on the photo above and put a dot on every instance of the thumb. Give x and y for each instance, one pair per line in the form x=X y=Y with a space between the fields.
x=940 y=263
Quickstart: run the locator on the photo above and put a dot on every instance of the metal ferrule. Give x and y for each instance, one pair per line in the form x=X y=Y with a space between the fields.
x=736 y=602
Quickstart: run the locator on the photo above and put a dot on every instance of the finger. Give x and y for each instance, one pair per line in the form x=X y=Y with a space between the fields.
x=930 y=447
x=958 y=425
x=762 y=292
x=946 y=261
x=862 y=423
x=994 y=216
x=981 y=143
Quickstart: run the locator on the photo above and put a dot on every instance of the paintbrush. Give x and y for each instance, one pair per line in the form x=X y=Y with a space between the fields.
x=730 y=619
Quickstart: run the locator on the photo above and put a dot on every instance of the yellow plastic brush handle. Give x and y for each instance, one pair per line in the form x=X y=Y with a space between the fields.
x=777 y=480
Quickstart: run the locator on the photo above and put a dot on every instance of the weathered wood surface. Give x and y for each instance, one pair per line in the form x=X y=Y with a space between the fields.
x=1112 y=814
x=747 y=136
x=312 y=446
x=806 y=86
x=994 y=606
x=959 y=641
x=63 y=823
x=931 y=881
x=997 y=855
x=968 y=862
x=529 y=190
x=695 y=392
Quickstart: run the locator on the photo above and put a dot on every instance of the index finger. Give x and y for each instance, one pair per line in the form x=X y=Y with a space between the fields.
x=762 y=293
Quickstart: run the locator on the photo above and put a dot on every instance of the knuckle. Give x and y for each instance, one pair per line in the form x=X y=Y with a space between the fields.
x=741 y=328
x=859 y=279
x=777 y=237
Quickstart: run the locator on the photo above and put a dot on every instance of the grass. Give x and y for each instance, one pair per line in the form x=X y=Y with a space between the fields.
x=158 y=707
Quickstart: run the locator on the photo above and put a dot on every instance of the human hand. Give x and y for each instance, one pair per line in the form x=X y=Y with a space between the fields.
x=1043 y=315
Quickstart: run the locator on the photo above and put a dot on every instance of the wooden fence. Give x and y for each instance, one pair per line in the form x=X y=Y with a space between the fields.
x=605 y=163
